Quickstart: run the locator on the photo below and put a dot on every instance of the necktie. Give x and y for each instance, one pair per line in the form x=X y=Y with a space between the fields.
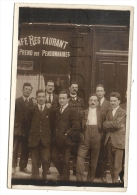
x=61 y=109
x=41 y=108
x=26 y=102
x=49 y=98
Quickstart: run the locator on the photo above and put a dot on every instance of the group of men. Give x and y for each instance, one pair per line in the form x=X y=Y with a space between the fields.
x=55 y=126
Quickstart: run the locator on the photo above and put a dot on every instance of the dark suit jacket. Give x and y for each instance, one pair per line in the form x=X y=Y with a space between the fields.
x=104 y=108
x=39 y=126
x=84 y=117
x=55 y=101
x=66 y=123
x=115 y=128
x=20 y=127
x=77 y=104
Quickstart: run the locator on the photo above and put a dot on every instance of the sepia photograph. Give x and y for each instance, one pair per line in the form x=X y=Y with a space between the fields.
x=70 y=97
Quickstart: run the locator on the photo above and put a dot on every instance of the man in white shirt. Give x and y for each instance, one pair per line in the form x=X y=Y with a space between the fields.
x=115 y=135
x=92 y=126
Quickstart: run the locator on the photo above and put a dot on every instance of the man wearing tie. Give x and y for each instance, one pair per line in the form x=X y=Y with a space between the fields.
x=115 y=135
x=103 y=106
x=51 y=98
x=67 y=128
x=20 y=129
x=90 y=140
x=39 y=135
x=77 y=103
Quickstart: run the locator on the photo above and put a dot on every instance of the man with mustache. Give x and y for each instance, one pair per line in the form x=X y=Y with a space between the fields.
x=51 y=98
x=90 y=140
x=20 y=129
x=114 y=126
x=77 y=103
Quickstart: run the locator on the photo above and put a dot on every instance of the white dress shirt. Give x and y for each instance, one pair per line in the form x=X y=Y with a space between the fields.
x=92 y=117
x=51 y=96
x=41 y=106
x=74 y=97
x=63 y=108
x=24 y=98
x=101 y=101
x=114 y=111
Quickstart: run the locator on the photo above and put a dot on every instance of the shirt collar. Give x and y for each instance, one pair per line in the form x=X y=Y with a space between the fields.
x=63 y=107
x=24 y=98
x=43 y=106
x=73 y=96
x=102 y=100
x=92 y=109
x=47 y=94
x=115 y=109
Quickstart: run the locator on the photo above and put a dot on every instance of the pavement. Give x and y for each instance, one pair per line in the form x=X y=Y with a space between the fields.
x=54 y=174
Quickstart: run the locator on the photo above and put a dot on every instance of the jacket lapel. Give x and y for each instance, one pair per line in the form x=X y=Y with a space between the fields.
x=44 y=112
x=86 y=114
x=98 y=116
x=117 y=113
x=64 y=111
x=23 y=105
x=37 y=111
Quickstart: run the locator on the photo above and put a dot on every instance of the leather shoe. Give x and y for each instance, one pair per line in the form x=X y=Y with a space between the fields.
x=25 y=170
x=59 y=176
x=103 y=179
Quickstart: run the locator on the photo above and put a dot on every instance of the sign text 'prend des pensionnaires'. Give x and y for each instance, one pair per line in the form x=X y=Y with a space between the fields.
x=34 y=40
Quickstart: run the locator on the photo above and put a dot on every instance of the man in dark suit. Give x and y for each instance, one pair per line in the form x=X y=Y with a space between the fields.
x=66 y=131
x=115 y=136
x=74 y=100
x=92 y=127
x=77 y=103
x=103 y=106
x=51 y=98
x=39 y=135
x=20 y=129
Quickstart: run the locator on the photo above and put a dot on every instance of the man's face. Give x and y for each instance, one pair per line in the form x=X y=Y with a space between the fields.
x=114 y=102
x=27 y=91
x=41 y=97
x=93 y=102
x=63 y=99
x=73 y=89
x=49 y=87
x=100 y=92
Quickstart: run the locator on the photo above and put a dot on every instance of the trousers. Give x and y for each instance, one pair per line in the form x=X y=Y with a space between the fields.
x=42 y=154
x=23 y=141
x=91 y=141
x=115 y=157
x=60 y=156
